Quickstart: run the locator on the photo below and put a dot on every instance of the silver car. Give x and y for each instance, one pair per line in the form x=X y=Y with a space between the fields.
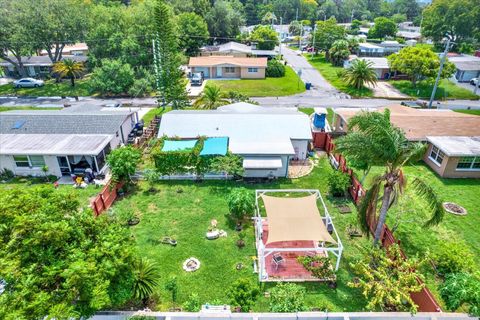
x=28 y=83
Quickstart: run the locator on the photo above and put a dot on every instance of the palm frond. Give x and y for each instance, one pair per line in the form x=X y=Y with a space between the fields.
x=434 y=204
x=367 y=209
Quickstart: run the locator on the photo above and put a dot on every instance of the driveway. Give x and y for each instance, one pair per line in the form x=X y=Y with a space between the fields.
x=320 y=86
x=4 y=80
x=466 y=85
x=195 y=91
x=384 y=89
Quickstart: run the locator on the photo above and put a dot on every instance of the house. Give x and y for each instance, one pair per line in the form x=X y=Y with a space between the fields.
x=66 y=141
x=390 y=46
x=454 y=134
x=229 y=67
x=35 y=66
x=366 y=49
x=409 y=35
x=467 y=67
x=236 y=49
x=266 y=139
x=454 y=157
x=379 y=65
x=77 y=49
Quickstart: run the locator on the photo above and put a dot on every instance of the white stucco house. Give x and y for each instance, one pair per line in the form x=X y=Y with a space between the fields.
x=66 y=141
x=267 y=139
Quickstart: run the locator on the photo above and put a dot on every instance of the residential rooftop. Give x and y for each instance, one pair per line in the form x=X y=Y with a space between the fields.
x=457 y=146
x=227 y=60
x=42 y=60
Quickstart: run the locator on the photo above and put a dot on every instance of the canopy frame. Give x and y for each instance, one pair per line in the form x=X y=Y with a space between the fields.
x=264 y=252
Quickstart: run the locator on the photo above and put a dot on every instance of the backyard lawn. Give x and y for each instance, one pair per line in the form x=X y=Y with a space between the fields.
x=50 y=89
x=330 y=73
x=446 y=90
x=268 y=87
x=184 y=209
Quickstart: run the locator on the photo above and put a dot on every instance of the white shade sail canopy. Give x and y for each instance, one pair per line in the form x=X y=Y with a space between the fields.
x=295 y=219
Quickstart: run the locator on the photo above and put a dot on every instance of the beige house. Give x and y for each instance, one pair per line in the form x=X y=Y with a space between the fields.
x=452 y=137
x=454 y=157
x=214 y=67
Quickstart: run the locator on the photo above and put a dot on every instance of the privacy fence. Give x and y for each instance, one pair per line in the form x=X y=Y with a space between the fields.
x=323 y=140
x=106 y=197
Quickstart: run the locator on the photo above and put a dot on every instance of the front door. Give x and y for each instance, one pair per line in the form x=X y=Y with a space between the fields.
x=219 y=72
x=64 y=165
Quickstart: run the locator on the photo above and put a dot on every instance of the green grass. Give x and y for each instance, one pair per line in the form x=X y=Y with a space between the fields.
x=269 y=87
x=148 y=117
x=474 y=112
x=330 y=73
x=309 y=111
x=3 y=109
x=50 y=89
x=446 y=90
x=187 y=215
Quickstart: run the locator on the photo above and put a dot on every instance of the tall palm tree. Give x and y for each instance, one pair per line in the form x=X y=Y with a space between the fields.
x=374 y=139
x=145 y=279
x=68 y=68
x=339 y=52
x=360 y=73
x=211 y=98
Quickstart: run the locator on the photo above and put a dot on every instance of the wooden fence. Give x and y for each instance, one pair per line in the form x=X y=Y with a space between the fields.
x=424 y=298
x=105 y=198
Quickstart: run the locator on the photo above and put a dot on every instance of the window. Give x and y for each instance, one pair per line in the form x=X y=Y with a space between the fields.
x=252 y=70
x=436 y=155
x=21 y=161
x=468 y=163
x=229 y=69
x=29 y=161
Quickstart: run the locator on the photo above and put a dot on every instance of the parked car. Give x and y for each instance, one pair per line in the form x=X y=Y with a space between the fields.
x=28 y=83
x=196 y=79
x=474 y=81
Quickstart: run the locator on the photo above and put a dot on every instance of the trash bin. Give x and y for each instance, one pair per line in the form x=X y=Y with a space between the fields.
x=308 y=85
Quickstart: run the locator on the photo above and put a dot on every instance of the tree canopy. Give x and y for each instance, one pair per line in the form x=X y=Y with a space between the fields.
x=192 y=32
x=383 y=27
x=57 y=260
x=327 y=33
x=265 y=37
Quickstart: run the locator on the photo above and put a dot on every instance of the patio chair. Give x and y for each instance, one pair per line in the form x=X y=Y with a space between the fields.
x=277 y=260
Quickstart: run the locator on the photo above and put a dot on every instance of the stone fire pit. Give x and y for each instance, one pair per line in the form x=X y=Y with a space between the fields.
x=191 y=264
x=454 y=208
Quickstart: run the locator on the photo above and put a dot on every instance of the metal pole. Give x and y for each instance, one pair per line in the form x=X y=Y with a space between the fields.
x=442 y=62
x=313 y=44
x=477 y=86
x=280 y=38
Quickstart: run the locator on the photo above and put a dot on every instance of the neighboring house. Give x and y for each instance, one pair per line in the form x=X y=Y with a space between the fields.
x=409 y=35
x=266 y=139
x=454 y=157
x=390 y=46
x=35 y=66
x=77 y=49
x=379 y=65
x=467 y=66
x=67 y=141
x=229 y=67
x=236 y=49
x=366 y=49
x=446 y=129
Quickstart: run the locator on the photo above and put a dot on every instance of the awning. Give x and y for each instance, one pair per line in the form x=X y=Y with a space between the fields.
x=215 y=146
x=178 y=145
x=262 y=163
x=295 y=219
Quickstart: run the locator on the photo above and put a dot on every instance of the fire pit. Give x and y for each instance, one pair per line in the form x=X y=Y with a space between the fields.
x=191 y=264
x=454 y=208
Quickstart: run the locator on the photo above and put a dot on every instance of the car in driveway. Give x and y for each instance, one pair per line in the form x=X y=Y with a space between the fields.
x=196 y=79
x=28 y=83
x=474 y=81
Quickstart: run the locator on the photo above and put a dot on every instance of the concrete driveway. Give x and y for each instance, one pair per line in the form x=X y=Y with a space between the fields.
x=195 y=91
x=384 y=89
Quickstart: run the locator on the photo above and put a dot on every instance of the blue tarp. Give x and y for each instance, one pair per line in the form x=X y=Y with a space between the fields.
x=215 y=146
x=319 y=120
x=178 y=145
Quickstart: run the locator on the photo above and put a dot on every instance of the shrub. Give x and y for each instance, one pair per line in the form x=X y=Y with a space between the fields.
x=140 y=88
x=241 y=201
x=112 y=77
x=172 y=286
x=6 y=174
x=453 y=257
x=192 y=304
x=275 y=69
x=462 y=289
x=338 y=183
x=320 y=267
x=287 y=297
x=243 y=294
x=123 y=162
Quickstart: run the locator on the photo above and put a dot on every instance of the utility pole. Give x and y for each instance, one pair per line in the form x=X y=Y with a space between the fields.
x=280 y=37
x=300 y=37
x=442 y=62
x=313 y=43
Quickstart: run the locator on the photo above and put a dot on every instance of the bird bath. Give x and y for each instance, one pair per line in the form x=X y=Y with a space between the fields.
x=191 y=264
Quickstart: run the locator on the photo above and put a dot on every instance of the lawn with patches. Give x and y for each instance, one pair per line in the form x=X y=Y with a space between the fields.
x=268 y=87
x=474 y=112
x=446 y=90
x=50 y=89
x=331 y=74
x=184 y=209
x=3 y=109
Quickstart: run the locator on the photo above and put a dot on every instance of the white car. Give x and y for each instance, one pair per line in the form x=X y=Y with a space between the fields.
x=474 y=81
x=28 y=83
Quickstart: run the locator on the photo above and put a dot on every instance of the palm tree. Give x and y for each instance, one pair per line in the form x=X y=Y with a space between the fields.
x=339 y=52
x=211 y=98
x=68 y=68
x=372 y=138
x=360 y=73
x=145 y=279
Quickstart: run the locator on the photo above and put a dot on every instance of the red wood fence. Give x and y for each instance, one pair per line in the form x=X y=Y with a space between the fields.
x=105 y=198
x=424 y=298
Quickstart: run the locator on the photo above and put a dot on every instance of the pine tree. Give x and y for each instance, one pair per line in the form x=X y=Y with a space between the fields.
x=170 y=83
